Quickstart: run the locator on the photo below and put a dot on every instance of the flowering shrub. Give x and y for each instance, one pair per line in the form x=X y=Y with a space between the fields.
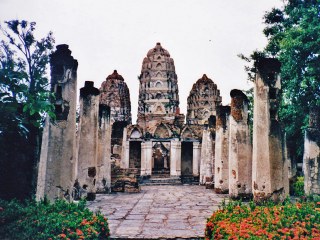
x=299 y=220
x=43 y=220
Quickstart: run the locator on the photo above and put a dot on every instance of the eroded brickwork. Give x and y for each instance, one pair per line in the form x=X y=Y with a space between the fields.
x=202 y=101
x=58 y=152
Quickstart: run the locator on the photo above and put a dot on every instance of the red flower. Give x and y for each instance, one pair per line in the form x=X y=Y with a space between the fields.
x=79 y=232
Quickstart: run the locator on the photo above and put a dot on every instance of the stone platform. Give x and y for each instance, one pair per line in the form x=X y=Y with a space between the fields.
x=159 y=212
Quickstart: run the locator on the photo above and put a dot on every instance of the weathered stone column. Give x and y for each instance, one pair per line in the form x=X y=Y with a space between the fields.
x=175 y=158
x=125 y=153
x=207 y=157
x=196 y=158
x=291 y=160
x=88 y=138
x=104 y=150
x=240 y=158
x=270 y=170
x=311 y=155
x=221 y=172
x=58 y=151
x=146 y=158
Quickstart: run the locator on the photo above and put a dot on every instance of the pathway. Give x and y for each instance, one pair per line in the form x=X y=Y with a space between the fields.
x=158 y=212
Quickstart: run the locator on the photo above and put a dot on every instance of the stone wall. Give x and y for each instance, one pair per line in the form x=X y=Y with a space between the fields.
x=104 y=150
x=311 y=156
x=221 y=170
x=207 y=157
x=240 y=150
x=56 y=174
x=88 y=138
x=270 y=169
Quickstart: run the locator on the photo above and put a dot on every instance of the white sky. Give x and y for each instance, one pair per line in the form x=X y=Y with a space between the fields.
x=202 y=36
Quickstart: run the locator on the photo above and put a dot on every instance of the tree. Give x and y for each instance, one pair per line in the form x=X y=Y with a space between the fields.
x=293 y=34
x=294 y=38
x=24 y=99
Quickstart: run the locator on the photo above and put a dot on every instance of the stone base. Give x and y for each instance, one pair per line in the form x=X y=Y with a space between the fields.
x=221 y=191
x=125 y=180
x=242 y=196
x=91 y=196
x=209 y=185
x=262 y=197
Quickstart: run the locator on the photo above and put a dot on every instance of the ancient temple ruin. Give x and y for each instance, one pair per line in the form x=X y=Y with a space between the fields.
x=202 y=101
x=160 y=144
x=311 y=156
x=57 y=166
x=105 y=152
x=270 y=167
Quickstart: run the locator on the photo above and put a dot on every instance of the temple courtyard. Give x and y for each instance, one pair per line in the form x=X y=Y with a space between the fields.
x=159 y=212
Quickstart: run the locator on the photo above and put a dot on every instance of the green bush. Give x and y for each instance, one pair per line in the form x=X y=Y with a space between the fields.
x=298 y=187
x=45 y=220
x=288 y=220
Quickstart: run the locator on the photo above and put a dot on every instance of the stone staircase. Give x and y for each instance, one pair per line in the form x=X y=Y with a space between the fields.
x=156 y=180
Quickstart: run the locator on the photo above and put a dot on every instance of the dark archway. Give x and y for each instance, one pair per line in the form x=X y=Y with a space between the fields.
x=161 y=159
x=186 y=159
x=135 y=154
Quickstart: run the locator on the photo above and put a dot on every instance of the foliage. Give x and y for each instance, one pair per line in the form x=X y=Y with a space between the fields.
x=294 y=38
x=43 y=220
x=24 y=99
x=298 y=187
x=299 y=220
x=24 y=91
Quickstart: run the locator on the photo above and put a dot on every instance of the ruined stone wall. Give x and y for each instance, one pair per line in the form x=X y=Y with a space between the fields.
x=311 y=156
x=56 y=173
x=202 y=101
x=88 y=137
x=207 y=157
x=240 y=158
x=221 y=173
x=114 y=93
x=270 y=169
x=104 y=150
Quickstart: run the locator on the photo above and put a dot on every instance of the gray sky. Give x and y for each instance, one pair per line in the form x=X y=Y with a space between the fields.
x=202 y=36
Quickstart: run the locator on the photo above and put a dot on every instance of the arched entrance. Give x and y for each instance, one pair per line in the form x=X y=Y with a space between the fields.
x=160 y=158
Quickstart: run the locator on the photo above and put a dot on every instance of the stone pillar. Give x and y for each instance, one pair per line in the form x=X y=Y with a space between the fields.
x=291 y=160
x=146 y=158
x=270 y=170
x=311 y=155
x=207 y=158
x=175 y=158
x=196 y=158
x=104 y=150
x=240 y=158
x=88 y=138
x=56 y=174
x=125 y=153
x=221 y=172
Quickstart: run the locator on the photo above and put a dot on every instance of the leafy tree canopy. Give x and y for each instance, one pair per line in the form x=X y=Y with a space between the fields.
x=293 y=34
x=24 y=95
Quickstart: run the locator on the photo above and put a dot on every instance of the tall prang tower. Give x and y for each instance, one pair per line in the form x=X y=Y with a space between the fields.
x=158 y=91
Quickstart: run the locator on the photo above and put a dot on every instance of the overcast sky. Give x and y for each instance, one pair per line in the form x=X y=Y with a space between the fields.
x=202 y=36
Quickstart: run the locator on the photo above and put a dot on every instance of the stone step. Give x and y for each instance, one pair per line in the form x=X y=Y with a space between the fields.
x=162 y=181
